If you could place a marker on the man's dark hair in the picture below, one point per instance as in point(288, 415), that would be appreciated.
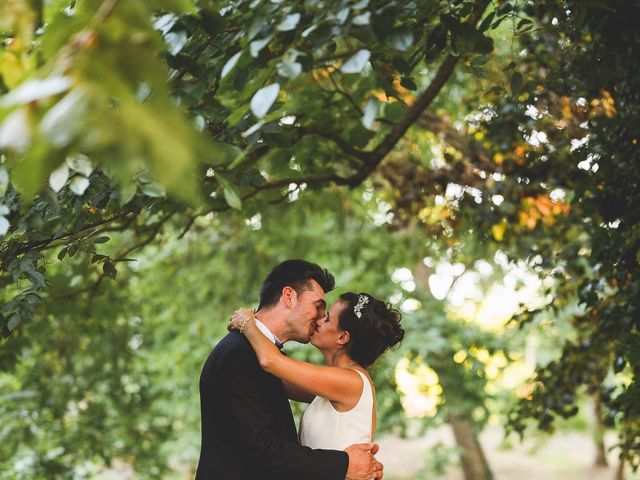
point(296, 274)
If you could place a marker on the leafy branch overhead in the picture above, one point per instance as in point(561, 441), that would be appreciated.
point(251, 111)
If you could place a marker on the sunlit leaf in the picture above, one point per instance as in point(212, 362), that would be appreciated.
point(79, 184)
point(230, 64)
point(36, 89)
point(402, 41)
point(362, 19)
point(289, 69)
point(59, 177)
point(356, 63)
point(81, 164)
point(263, 99)
point(4, 181)
point(370, 112)
point(4, 225)
point(256, 46)
point(16, 130)
point(289, 22)
point(61, 123)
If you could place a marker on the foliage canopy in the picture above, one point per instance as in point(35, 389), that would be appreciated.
point(504, 125)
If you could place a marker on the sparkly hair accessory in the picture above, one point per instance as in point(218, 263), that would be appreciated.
point(362, 301)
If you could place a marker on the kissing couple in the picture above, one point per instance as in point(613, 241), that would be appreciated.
point(248, 431)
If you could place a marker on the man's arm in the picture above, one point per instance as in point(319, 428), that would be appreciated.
point(297, 394)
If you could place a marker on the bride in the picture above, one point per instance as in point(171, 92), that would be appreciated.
point(357, 329)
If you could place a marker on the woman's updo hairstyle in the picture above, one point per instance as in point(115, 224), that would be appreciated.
point(372, 324)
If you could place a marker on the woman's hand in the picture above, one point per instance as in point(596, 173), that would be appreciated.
point(241, 318)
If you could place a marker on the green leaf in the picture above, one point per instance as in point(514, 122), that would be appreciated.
point(408, 83)
point(516, 82)
point(153, 190)
point(102, 239)
point(212, 22)
point(230, 193)
point(479, 61)
point(524, 25)
point(97, 257)
point(394, 111)
point(486, 23)
point(109, 269)
point(484, 45)
point(13, 321)
point(127, 192)
point(237, 115)
point(436, 42)
point(73, 249)
point(232, 198)
point(36, 278)
point(359, 136)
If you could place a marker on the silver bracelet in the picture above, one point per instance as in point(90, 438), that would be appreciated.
point(244, 324)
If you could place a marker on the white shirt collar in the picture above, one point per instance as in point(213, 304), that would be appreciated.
point(264, 329)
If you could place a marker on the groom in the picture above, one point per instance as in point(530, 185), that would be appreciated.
point(248, 430)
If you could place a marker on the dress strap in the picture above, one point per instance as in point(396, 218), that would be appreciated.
point(366, 383)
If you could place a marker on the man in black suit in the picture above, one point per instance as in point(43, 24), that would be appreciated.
point(248, 431)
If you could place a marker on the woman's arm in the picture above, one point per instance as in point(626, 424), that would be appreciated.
point(336, 384)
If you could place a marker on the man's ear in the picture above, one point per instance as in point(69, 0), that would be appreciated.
point(289, 297)
point(344, 337)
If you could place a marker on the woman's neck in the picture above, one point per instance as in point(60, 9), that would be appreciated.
point(338, 359)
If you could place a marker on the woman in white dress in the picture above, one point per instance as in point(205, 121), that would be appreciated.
point(357, 329)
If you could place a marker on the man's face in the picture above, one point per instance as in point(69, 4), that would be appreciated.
point(308, 309)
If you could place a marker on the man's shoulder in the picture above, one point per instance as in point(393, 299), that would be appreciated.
point(233, 344)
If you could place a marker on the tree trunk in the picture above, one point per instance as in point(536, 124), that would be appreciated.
point(474, 463)
point(598, 431)
point(620, 470)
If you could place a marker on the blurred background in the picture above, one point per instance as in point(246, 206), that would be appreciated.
point(473, 163)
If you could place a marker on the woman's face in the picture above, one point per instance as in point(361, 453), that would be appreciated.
point(327, 329)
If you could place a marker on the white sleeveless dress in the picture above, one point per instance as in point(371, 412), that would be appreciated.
point(322, 426)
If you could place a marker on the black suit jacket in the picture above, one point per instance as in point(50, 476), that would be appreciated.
point(248, 430)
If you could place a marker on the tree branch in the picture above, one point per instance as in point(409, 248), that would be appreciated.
point(340, 142)
point(397, 132)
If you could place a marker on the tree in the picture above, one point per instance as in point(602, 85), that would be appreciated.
point(267, 101)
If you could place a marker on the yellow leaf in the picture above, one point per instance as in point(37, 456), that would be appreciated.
point(498, 231)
